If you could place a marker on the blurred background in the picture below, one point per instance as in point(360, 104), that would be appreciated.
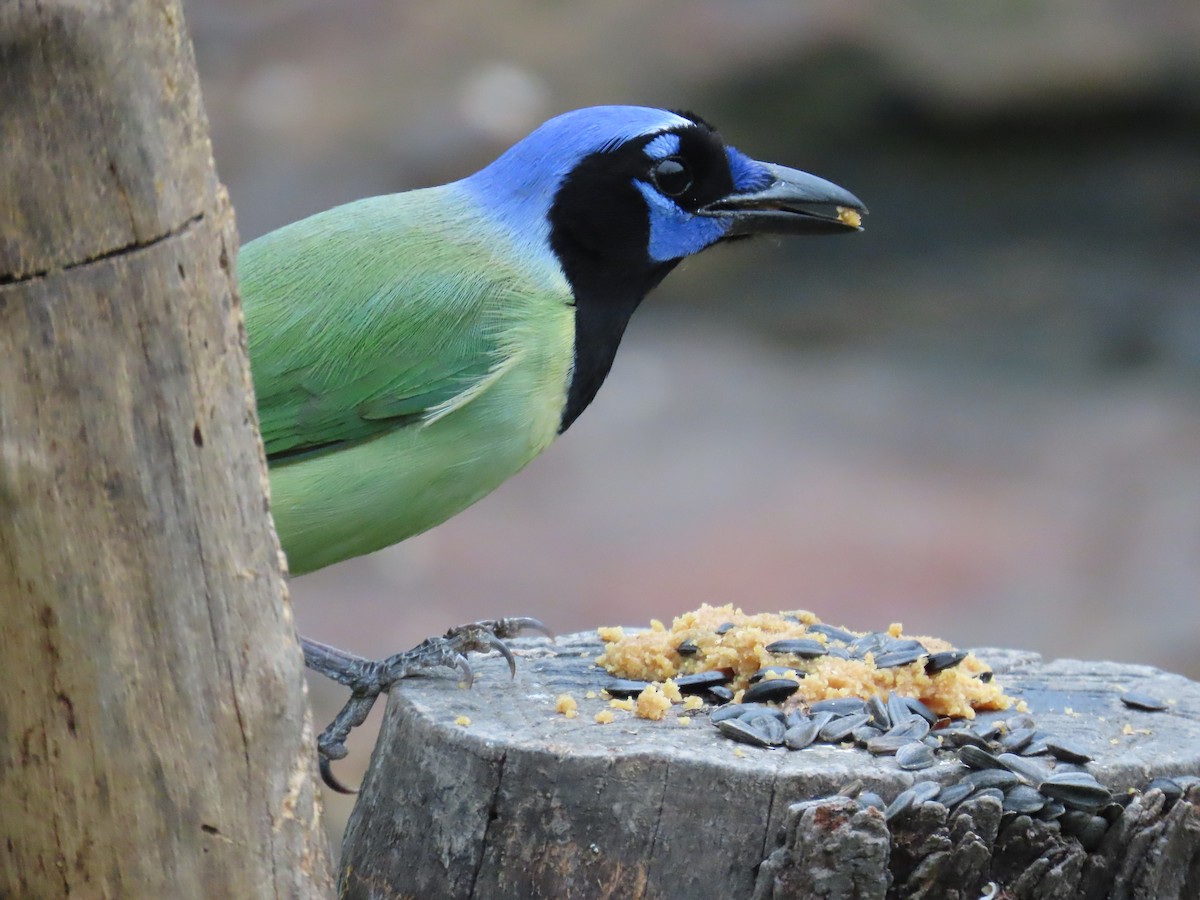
point(980, 417)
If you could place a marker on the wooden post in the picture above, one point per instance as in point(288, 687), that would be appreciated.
point(154, 735)
point(523, 802)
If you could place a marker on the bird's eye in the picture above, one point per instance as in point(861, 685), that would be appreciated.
point(672, 176)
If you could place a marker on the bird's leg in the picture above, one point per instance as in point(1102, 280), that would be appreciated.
point(368, 678)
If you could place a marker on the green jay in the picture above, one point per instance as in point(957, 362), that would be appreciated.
point(412, 351)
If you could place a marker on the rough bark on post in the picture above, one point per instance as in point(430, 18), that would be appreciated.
point(154, 736)
point(522, 802)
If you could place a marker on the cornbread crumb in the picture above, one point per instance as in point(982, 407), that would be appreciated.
point(726, 638)
point(848, 216)
point(626, 704)
point(652, 703)
point(684, 720)
point(671, 690)
point(611, 633)
point(590, 695)
point(657, 625)
point(693, 702)
point(463, 721)
point(604, 717)
point(565, 705)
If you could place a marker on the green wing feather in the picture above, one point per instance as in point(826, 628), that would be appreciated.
point(404, 367)
point(366, 318)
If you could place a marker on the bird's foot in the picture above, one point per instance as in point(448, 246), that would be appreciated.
point(368, 678)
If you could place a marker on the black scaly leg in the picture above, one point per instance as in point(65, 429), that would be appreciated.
point(368, 678)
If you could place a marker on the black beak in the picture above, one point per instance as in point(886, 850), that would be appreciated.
point(793, 203)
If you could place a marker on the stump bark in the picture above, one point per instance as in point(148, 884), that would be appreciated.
point(154, 734)
point(523, 802)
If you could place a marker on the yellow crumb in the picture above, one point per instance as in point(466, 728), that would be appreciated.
point(626, 704)
point(463, 721)
point(604, 717)
point(1022, 706)
point(652, 703)
point(684, 720)
point(849, 217)
point(895, 629)
point(590, 695)
point(693, 702)
point(657, 625)
point(737, 751)
point(613, 633)
point(671, 689)
point(565, 705)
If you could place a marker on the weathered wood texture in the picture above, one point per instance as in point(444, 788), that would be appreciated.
point(526, 803)
point(154, 736)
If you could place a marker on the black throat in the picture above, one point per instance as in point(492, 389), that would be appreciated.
point(599, 230)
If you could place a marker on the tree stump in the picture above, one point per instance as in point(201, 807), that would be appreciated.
point(523, 802)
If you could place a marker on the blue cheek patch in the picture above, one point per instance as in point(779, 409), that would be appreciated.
point(674, 233)
point(747, 174)
point(662, 146)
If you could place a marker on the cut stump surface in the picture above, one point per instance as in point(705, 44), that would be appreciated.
point(523, 802)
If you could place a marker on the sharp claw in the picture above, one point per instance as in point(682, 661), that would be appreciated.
point(464, 666)
point(505, 652)
point(330, 780)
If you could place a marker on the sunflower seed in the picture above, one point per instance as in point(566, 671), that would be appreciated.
point(1087, 828)
point(1030, 771)
point(878, 711)
point(1134, 700)
point(797, 737)
point(883, 745)
point(893, 658)
point(839, 706)
point(771, 690)
point(924, 791)
point(962, 737)
point(981, 779)
point(701, 681)
point(625, 687)
point(1052, 810)
point(913, 757)
point(725, 627)
point(903, 803)
point(1023, 799)
point(1017, 740)
point(914, 729)
point(1076, 790)
point(870, 798)
point(945, 659)
point(785, 671)
point(952, 794)
point(840, 729)
point(1066, 751)
point(865, 733)
point(1171, 789)
point(916, 707)
point(731, 711)
point(831, 632)
point(897, 708)
point(974, 758)
point(805, 648)
point(720, 693)
point(737, 730)
point(872, 642)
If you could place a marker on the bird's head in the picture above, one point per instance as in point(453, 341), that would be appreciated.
point(644, 188)
point(615, 196)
